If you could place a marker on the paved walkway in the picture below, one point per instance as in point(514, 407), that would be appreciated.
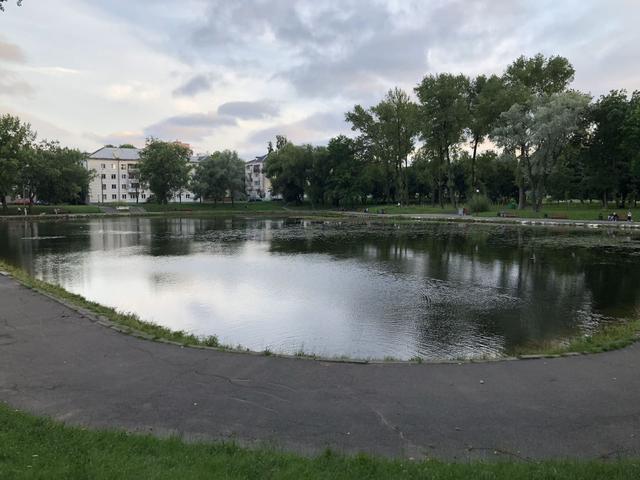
point(57, 363)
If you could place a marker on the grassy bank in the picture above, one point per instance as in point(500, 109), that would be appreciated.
point(611, 337)
point(38, 448)
point(50, 209)
point(237, 207)
point(126, 320)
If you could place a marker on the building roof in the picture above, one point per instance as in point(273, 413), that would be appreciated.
point(259, 159)
point(115, 153)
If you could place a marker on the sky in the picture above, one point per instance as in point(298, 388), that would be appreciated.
point(223, 74)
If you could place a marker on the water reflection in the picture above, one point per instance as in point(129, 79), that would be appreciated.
point(331, 288)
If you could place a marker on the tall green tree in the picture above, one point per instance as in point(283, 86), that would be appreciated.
point(388, 131)
point(16, 139)
point(444, 109)
point(164, 167)
point(287, 168)
point(528, 79)
point(54, 174)
point(219, 175)
point(540, 132)
point(608, 163)
point(488, 98)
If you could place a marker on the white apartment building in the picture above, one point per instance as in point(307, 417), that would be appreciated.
point(257, 185)
point(117, 178)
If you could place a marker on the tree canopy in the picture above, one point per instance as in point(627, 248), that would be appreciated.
point(164, 167)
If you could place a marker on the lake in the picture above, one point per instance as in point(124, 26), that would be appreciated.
point(352, 288)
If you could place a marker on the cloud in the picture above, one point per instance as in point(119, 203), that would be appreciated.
point(192, 127)
point(10, 52)
point(13, 85)
point(197, 84)
point(249, 110)
point(136, 91)
point(316, 128)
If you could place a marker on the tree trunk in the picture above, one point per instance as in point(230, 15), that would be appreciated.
point(476, 140)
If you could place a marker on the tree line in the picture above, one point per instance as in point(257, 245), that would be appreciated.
point(44, 170)
point(520, 137)
point(166, 169)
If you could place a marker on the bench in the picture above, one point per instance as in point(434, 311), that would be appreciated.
point(507, 214)
point(559, 216)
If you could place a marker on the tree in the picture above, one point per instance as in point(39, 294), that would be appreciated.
point(126, 145)
point(526, 80)
point(219, 175)
point(387, 133)
point(164, 167)
point(488, 98)
point(540, 132)
point(538, 75)
point(607, 163)
point(2, 2)
point(54, 174)
point(345, 182)
point(287, 168)
point(444, 101)
point(16, 139)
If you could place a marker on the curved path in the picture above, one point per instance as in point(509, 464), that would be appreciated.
point(56, 362)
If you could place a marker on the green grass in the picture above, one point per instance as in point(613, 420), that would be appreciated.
point(49, 209)
point(39, 448)
point(611, 337)
point(126, 320)
point(573, 211)
point(238, 207)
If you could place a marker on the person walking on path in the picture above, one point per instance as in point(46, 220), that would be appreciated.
point(629, 216)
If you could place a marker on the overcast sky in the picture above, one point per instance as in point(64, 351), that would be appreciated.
point(233, 74)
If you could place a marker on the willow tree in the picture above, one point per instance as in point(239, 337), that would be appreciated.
point(540, 132)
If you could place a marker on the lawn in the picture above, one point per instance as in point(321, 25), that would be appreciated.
point(50, 209)
point(39, 448)
point(237, 207)
point(573, 211)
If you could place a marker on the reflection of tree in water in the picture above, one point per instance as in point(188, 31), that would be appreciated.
point(485, 288)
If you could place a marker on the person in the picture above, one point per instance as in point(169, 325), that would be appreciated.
point(615, 216)
point(629, 216)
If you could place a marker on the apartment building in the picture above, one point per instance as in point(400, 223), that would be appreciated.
point(257, 185)
point(117, 178)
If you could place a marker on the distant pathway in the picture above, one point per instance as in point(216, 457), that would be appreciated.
point(54, 361)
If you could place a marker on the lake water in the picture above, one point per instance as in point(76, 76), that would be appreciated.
point(351, 288)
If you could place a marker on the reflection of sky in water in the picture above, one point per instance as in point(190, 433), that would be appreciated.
point(362, 291)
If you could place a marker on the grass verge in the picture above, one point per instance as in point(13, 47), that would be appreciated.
point(611, 337)
point(127, 320)
point(39, 448)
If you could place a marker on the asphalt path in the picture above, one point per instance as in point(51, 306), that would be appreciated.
point(58, 362)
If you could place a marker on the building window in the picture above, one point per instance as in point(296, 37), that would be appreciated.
point(124, 196)
point(113, 186)
point(103, 166)
point(103, 175)
point(124, 175)
point(144, 195)
point(256, 169)
point(257, 183)
point(123, 167)
point(132, 195)
point(104, 187)
point(188, 195)
point(113, 176)
point(114, 196)
point(113, 166)
point(124, 186)
point(104, 196)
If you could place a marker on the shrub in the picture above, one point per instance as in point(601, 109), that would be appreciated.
point(479, 203)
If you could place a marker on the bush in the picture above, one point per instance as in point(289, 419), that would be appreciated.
point(479, 203)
